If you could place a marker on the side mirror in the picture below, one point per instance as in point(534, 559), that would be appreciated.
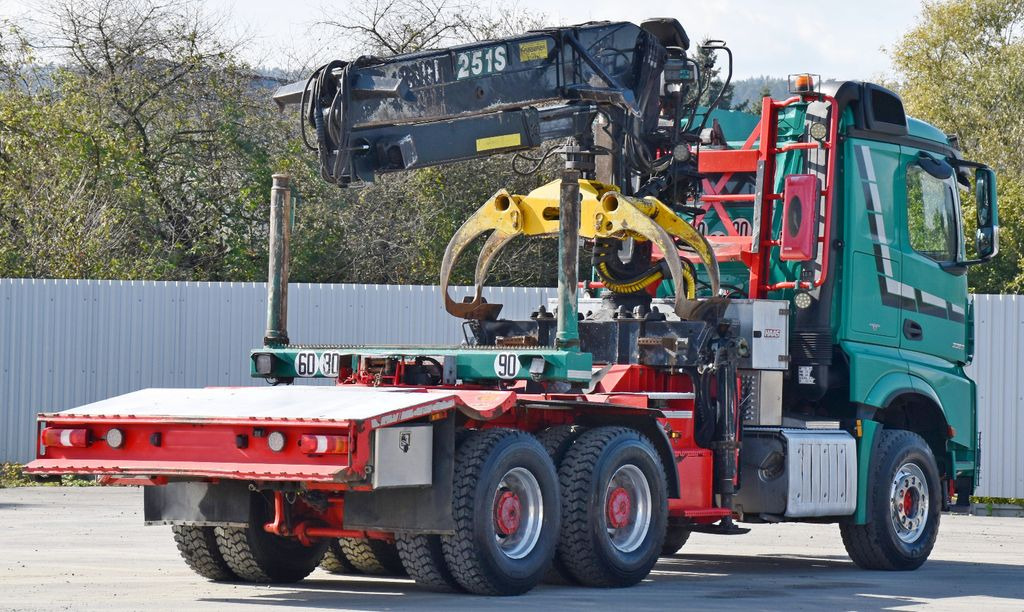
point(987, 238)
point(800, 217)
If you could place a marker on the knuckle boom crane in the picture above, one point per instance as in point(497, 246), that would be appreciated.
point(742, 361)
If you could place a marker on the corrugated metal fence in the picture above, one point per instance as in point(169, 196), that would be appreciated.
point(66, 343)
point(998, 369)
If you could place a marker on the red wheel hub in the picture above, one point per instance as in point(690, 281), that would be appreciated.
point(619, 507)
point(908, 503)
point(506, 513)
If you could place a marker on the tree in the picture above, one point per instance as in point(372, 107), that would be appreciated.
point(146, 151)
point(961, 67)
point(754, 104)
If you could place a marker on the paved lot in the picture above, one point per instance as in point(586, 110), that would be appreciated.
point(86, 548)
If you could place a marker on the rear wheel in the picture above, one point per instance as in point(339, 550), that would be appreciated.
point(423, 558)
point(372, 556)
point(615, 507)
point(335, 561)
point(675, 537)
point(556, 441)
point(198, 547)
point(255, 555)
point(506, 510)
point(903, 503)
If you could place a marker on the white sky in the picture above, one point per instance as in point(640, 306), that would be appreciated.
point(775, 37)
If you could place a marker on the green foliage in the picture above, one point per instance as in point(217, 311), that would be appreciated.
point(13, 475)
point(147, 152)
point(962, 68)
point(1014, 501)
point(747, 93)
point(753, 106)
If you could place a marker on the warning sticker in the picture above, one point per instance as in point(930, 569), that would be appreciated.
point(533, 50)
point(498, 142)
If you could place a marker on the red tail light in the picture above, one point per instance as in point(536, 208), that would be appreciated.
point(65, 437)
point(313, 444)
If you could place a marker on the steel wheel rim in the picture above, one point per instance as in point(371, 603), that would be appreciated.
point(909, 503)
point(630, 479)
point(521, 484)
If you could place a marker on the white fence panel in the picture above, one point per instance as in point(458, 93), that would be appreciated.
point(998, 369)
point(64, 343)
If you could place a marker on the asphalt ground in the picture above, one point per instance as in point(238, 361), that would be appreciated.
point(86, 548)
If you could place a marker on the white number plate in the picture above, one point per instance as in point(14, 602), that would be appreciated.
point(478, 62)
point(506, 365)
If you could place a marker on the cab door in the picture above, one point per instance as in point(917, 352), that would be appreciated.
point(933, 314)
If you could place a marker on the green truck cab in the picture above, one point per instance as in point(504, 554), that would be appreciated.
point(901, 315)
point(888, 334)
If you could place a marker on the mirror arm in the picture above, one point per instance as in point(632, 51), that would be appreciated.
point(954, 266)
point(957, 268)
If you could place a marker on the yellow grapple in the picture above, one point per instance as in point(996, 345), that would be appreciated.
point(604, 213)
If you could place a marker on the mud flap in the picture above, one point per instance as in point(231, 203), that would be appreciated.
point(420, 509)
point(225, 504)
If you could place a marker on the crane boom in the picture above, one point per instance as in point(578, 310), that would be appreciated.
point(375, 115)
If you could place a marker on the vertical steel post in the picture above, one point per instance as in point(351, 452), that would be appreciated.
point(277, 273)
point(568, 335)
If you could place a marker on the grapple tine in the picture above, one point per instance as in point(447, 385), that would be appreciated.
point(676, 226)
point(495, 243)
point(500, 213)
point(619, 215)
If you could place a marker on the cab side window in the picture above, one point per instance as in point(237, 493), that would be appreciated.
point(931, 215)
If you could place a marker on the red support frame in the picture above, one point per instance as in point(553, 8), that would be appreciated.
point(748, 160)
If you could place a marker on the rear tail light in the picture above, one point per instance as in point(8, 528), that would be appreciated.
point(115, 438)
point(313, 444)
point(275, 441)
point(51, 436)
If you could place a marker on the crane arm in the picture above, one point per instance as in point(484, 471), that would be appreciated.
point(433, 107)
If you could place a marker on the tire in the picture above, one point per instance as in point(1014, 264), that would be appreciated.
point(371, 556)
point(601, 459)
point(556, 441)
point(902, 474)
point(506, 509)
point(335, 561)
point(422, 556)
point(198, 547)
point(675, 537)
point(257, 556)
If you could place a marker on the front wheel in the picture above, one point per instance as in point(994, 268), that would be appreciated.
point(675, 537)
point(903, 503)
